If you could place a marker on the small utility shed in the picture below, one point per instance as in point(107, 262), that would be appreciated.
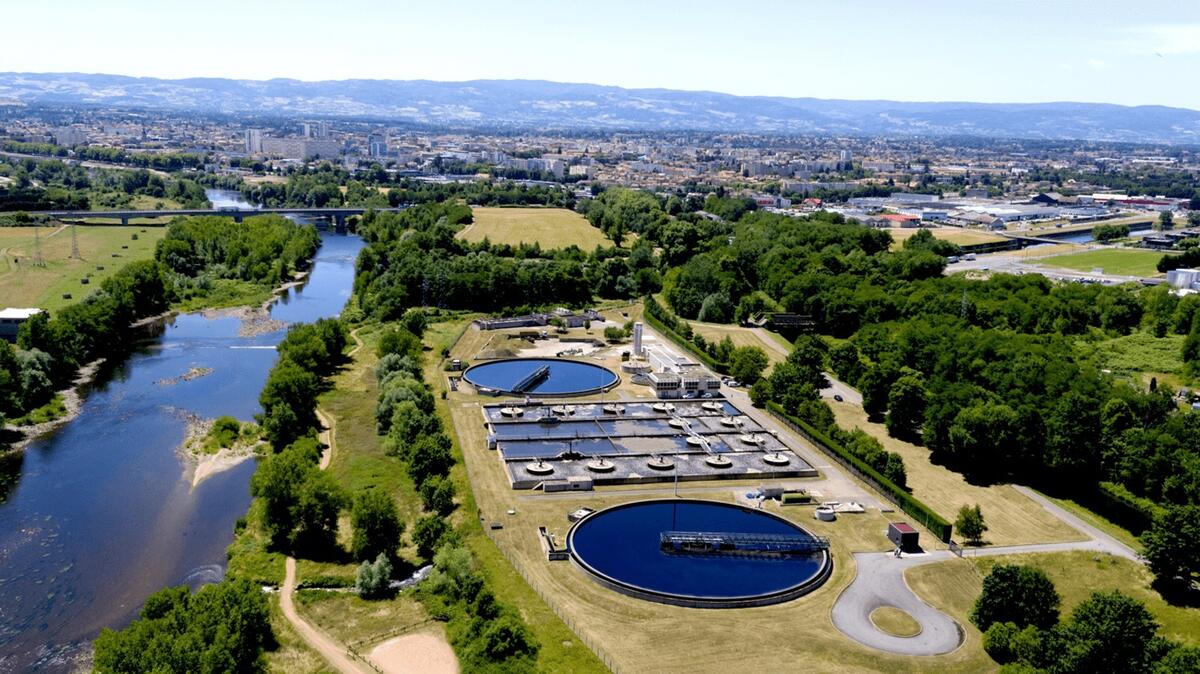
point(903, 536)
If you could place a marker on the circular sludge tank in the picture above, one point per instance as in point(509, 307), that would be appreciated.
point(541, 377)
point(701, 554)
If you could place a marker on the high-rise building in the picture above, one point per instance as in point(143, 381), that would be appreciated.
point(377, 145)
point(846, 157)
point(254, 141)
point(637, 338)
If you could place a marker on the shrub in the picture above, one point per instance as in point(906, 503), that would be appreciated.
point(374, 578)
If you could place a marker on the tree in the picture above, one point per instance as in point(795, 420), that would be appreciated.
point(1172, 545)
point(301, 502)
point(746, 364)
point(1166, 220)
point(220, 628)
point(1022, 595)
point(1110, 632)
point(321, 501)
point(429, 457)
point(427, 534)
point(288, 399)
point(970, 524)
point(374, 578)
point(906, 406)
point(377, 526)
point(507, 637)
point(437, 494)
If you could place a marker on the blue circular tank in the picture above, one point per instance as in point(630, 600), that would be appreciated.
point(541, 377)
point(743, 557)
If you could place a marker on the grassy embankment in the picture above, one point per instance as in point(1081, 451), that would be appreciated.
point(24, 285)
point(954, 585)
point(549, 227)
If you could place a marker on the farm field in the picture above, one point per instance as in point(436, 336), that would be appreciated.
point(24, 285)
point(1011, 517)
point(952, 234)
point(549, 227)
point(1118, 261)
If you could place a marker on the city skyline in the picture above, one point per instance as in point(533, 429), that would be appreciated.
point(1022, 52)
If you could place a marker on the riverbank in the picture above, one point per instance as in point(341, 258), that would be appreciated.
point(255, 320)
point(72, 399)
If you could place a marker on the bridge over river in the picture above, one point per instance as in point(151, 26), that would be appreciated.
point(336, 214)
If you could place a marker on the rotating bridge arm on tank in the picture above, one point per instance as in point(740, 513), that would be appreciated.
point(716, 542)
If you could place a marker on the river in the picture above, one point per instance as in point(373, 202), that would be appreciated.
point(101, 513)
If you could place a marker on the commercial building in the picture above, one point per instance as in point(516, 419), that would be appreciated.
point(1184, 279)
point(301, 148)
point(11, 320)
point(69, 136)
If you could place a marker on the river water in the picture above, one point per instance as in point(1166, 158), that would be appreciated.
point(101, 513)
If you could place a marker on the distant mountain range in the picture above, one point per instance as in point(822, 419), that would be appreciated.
point(559, 106)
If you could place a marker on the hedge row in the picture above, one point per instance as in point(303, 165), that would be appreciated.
point(656, 323)
point(1124, 507)
point(895, 493)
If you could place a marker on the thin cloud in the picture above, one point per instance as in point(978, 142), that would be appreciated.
point(1166, 40)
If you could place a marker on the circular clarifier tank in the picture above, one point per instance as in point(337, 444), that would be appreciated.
point(648, 549)
point(541, 377)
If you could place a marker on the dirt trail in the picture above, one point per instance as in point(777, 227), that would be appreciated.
point(326, 437)
point(333, 652)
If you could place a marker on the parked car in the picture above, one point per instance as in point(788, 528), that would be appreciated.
point(838, 397)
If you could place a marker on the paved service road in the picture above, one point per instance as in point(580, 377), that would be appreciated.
point(880, 582)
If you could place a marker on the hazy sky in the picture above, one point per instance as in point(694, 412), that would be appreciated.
point(1144, 52)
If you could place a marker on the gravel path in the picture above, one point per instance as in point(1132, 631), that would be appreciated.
point(880, 582)
point(333, 653)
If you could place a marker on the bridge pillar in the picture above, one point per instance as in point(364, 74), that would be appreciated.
point(125, 221)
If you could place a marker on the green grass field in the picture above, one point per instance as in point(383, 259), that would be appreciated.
point(1119, 261)
point(549, 227)
point(24, 285)
point(1138, 356)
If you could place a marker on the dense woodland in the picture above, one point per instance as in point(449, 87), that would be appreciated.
point(413, 259)
point(39, 185)
point(327, 185)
